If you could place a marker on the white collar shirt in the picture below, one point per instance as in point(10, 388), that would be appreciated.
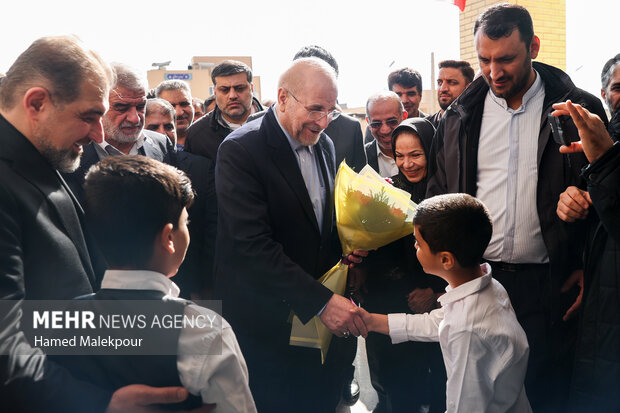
point(484, 348)
point(508, 176)
point(387, 164)
point(104, 149)
point(218, 378)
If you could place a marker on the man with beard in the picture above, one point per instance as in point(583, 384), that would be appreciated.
point(51, 105)
point(454, 77)
point(610, 84)
point(179, 95)
point(276, 237)
point(407, 84)
point(234, 102)
point(123, 126)
point(384, 112)
point(495, 142)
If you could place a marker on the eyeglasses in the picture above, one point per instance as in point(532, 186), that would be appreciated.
point(391, 123)
point(317, 115)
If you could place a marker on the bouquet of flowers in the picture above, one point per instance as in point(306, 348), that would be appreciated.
point(370, 213)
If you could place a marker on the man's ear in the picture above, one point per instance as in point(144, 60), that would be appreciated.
point(447, 260)
point(36, 100)
point(534, 47)
point(282, 98)
point(604, 95)
point(165, 239)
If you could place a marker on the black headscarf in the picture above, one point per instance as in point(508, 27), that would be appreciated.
point(424, 130)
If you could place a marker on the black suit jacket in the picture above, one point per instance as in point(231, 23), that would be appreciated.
point(44, 254)
point(371, 154)
point(269, 250)
point(156, 146)
point(346, 133)
point(196, 272)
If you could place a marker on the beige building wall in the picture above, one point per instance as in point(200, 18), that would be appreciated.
point(199, 77)
point(549, 17)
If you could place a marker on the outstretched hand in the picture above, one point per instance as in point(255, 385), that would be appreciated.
point(338, 317)
point(595, 140)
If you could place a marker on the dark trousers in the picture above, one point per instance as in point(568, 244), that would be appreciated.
point(552, 341)
point(285, 378)
point(406, 374)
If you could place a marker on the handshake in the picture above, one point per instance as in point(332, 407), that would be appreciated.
point(344, 319)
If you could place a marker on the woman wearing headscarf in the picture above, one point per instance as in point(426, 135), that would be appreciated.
point(411, 374)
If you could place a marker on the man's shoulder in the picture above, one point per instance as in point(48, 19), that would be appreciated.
point(372, 145)
point(202, 124)
point(155, 138)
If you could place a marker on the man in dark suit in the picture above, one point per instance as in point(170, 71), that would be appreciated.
point(51, 104)
point(345, 131)
point(384, 112)
point(276, 237)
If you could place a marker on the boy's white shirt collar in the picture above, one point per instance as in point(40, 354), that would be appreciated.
point(468, 288)
point(139, 280)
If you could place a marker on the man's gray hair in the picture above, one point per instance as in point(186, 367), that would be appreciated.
point(608, 70)
point(159, 105)
point(384, 95)
point(172, 85)
point(128, 78)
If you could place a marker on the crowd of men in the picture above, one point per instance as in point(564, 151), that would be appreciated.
point(263, 230)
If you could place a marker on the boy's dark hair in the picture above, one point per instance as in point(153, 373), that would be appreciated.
point(462, 65)
point(229, 68)
point(500, 20)
point(456, 223)
point(128, 200)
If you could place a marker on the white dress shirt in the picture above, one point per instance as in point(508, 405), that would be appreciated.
point(387, 164)
point(104, 149)
point(223, 378)
point(484, 348)
point(508, 176)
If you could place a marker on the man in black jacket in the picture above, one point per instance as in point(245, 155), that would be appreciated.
point(495, 142)
point(234, 98)
point(51, 104)
point(596, 375)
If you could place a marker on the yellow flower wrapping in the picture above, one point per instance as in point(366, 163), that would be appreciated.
point(370, 213)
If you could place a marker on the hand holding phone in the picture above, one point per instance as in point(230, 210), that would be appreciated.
point(564, 129)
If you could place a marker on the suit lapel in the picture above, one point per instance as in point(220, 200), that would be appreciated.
point(285, 161)
point(371, 154)
point(31, 165)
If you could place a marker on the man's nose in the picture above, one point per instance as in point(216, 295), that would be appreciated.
point(496, 71)
point(323, 122)
point(96, 132)
point(179, 111)
point(132, 115)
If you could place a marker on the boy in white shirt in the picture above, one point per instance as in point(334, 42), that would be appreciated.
point(485, 350)
point(136, 208)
